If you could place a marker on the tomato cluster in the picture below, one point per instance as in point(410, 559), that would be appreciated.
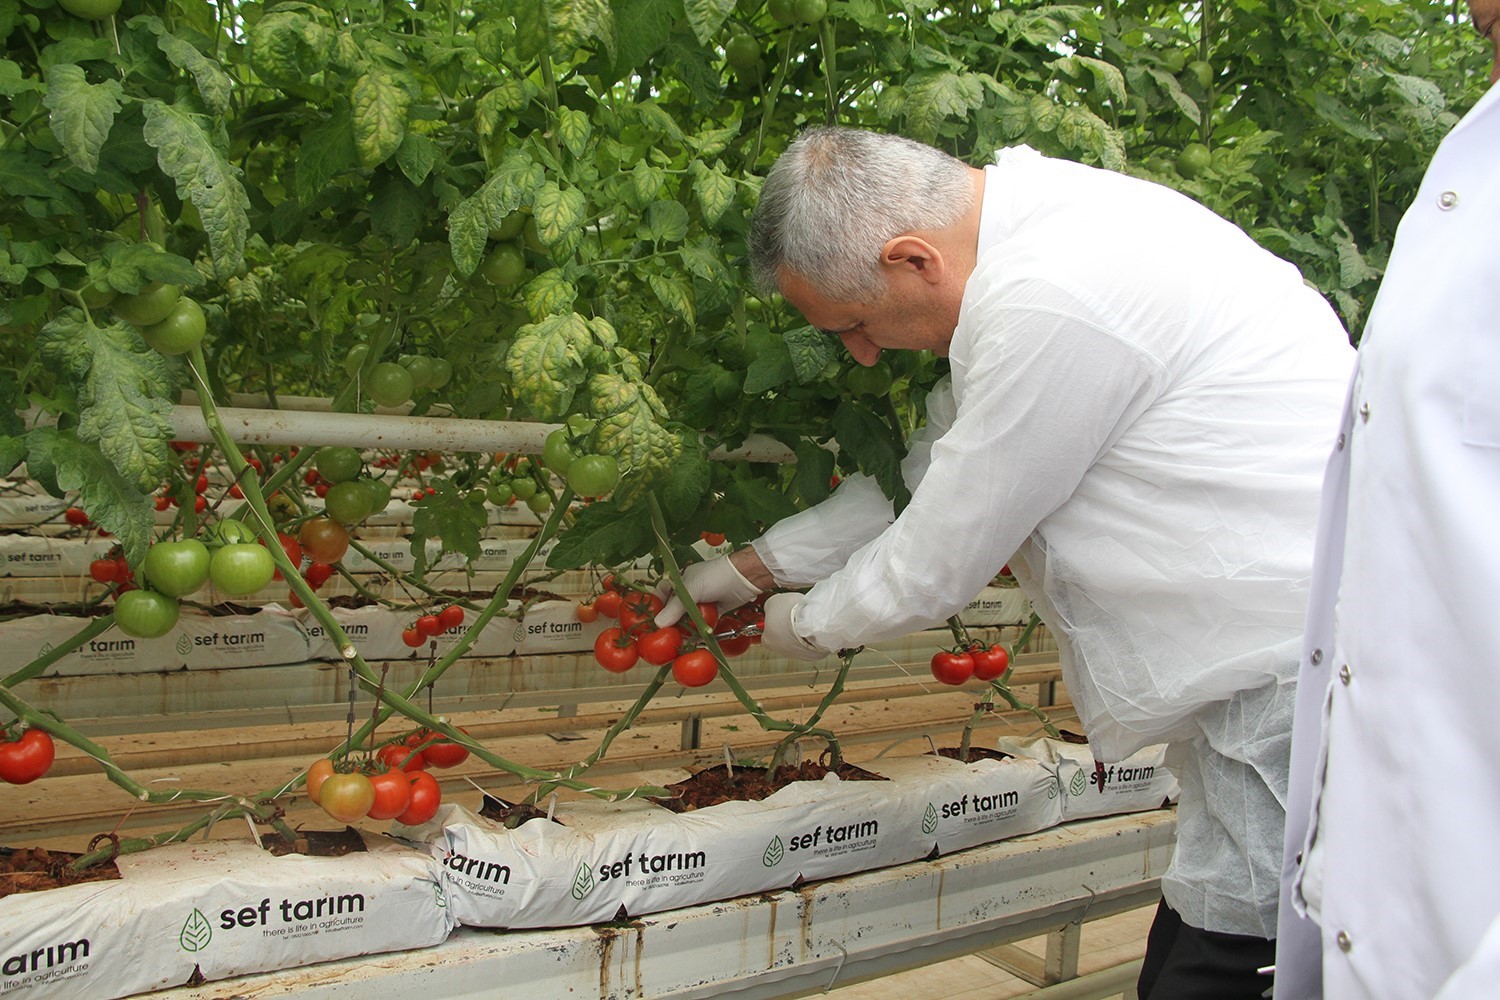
point(430, 625)
point(394, 784)
point(636, 637)
point(983, 661)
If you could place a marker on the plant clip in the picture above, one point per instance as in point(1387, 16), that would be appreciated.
point(114, 845)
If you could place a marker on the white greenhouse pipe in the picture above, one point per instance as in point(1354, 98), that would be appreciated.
point(311, 423)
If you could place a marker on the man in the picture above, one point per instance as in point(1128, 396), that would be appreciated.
point(1138, 408)
point(1392, 886)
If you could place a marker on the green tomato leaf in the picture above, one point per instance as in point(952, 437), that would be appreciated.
point(326, 151)
point(605, 534)
point(133, 266)
point(82, 113)
point(675, 294)
point(813, 472)
point(64, 464)
point(214, 85)
point(416, 156)
point(380, 105)
point(870, 443)
point(706, 17)
point(548, 294)
point(769, 369)
point(451, 517)
point(713, 188)
point(123, 393)
point(933, 97)
point(287, 48)
point(758, 501)
point(642, 27)
point(714, 141)
point(574, 129)
point(810, 351)
point(686, 484)
point(188, 156)
point(630, 428)
point(546, 363)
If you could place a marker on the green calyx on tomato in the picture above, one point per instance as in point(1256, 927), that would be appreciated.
point(176, 569)
point(145, 614)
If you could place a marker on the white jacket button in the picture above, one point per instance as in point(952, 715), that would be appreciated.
point(1447, 200)
point(1345, 673)
point(1343, 941)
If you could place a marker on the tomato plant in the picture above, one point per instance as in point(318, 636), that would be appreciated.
point(27, 757)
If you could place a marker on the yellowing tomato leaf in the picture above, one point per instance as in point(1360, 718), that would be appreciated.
point(549, 293)
point(380, 104)
point(546, 363)
point(187, 154)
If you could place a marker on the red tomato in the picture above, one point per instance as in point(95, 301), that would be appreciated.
point(76, 517)
point(392, 794)
point(952, 668)
point(586, 612)
point(710, 613)
point(317, 574)
point(451, 617)
point(26, 759)
point(291, 547)
point(440, 751)
point(989, 661)
point(426, 796)
point(429, 625)
point(660, 646)
point(713, 538)
point(201, 486)
point(200, 505)
point(236, 492)
point(608, 603)
point(413, 637)
point(293, 600)
point(399, 755)
point(103, 570)
point(638, 611)
point(614, 652)
point(735, 646)
point(162, 502)
point(695, 669)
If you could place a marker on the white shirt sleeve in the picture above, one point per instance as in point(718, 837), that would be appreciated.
point(807, 547)
point(1044, 395)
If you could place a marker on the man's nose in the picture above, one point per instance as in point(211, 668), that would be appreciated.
point(860, 348)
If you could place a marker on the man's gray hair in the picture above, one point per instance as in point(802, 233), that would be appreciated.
point(837, 195)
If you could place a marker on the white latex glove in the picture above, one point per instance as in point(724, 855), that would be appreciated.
point(780, 637)
point(714, 581)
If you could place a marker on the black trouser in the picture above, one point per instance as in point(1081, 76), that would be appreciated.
point(1185, 963)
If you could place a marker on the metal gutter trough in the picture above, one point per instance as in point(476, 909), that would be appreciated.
point(795, 942)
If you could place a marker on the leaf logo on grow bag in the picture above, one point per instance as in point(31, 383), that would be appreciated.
point(775, 851)
point(583, 882)
point(442, 898)
point(46, 648)
point(1079, 784)
point(1054, 788)
point(930, 819)
point(196, 932)
point(184, 645)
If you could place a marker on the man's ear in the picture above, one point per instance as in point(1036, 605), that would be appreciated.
point(913, 255)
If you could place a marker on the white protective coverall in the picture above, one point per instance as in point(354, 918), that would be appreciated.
point(1140, 405)
point(1396, 732)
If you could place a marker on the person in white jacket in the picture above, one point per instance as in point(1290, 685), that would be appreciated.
point(1392, 887)
point(1139, 406)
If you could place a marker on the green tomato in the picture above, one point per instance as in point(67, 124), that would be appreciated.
point(1193, 160)
point(241, 569)
point(580, 425)
point(390, 384)
point(510, 227)
point(355, 359)
point(380, 493)
point(810, 11)
point(594, 475)
point(338, 463)
point(538, 502)
point(505, 265)
point(180, 332)
point(442, 371)
point(524, 489)
point(152, 304)
point(97, 294)
point(90, 10)
point(557, 454)
point(176, 569)
point(499, 494)
point(421, 368)
point(783, 11)
point(742, 52)
point(1202, 72)
point(145, 614)
point(348, 502)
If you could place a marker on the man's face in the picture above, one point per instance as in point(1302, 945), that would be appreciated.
point(910, 315)
point(1485, 15)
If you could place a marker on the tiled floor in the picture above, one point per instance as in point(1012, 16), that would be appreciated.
point(1105, 943)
